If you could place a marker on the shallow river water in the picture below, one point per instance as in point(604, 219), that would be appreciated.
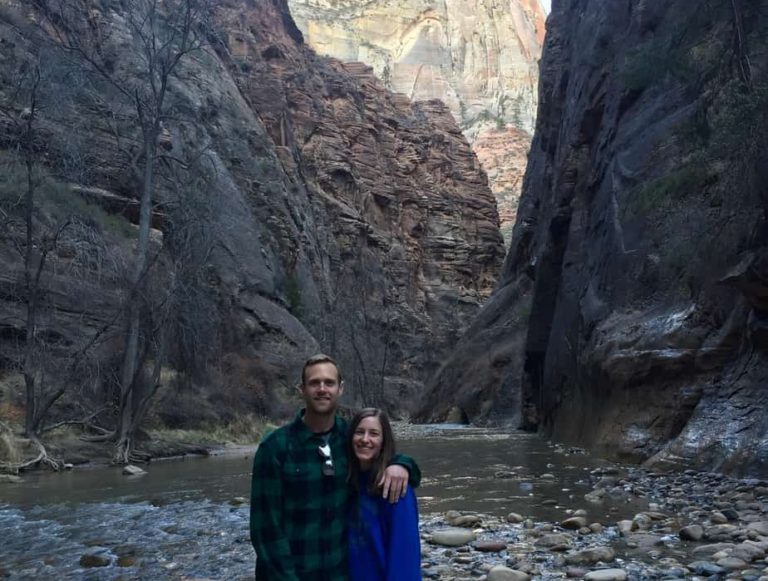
point(187, 519)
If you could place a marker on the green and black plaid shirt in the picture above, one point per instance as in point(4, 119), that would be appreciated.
point(298, 515)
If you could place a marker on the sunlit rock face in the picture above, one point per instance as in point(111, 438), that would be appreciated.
point(480, 57)
point(631, 313)
point(347, 219)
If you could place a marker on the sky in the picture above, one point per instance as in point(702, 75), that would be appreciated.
point(547, 4)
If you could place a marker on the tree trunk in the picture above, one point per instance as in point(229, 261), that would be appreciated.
point(126, 419)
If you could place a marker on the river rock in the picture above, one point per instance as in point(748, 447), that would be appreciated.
point(90, 561)
point(626, 526)
point(574, 523)
point(692, 533)
point(466, 520)
point(595, 495)
point(606, 575)
point(514, 518)
point(711, 549)
point(749, 551)
point(9, 478)
point(502, 573)
point(596, 528)
point(732, 563)
point(720, 532)
point(574, 572)
point(554, 542)
point(718, 517)
point(547, 476)
point(591, 556)
point(131, 470)
point(452, 537)
point(705, 568)
point(490, 546)
point(760, 527)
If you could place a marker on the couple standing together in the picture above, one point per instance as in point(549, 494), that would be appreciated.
point(331, 501)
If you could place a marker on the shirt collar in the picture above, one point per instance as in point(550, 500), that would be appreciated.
point(304, 433)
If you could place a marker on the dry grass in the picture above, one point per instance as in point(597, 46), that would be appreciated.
point(244, 430)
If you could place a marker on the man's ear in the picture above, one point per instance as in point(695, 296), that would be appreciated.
point(300, 389)
point(341, 388)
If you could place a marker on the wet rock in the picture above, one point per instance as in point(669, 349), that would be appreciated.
point(503, 474)
point(238, 501)
point(547, 476)
point(502, 573)
point(596, 528)
point(606, 575)
point(626, 526)
point(730, 514)
point(574, 523)
point(467, 521)
point(591, 556)
point(89, 561)
point(127, 561)
point(575, 572)
point(705, 568)
point(490, 546)
point(452, 537)
point(131, 470)
point(9, 478)
point(692, 533)
point(595, 496)
point(554, 542)
point(514, 518)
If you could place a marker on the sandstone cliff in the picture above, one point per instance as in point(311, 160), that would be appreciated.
point(337, 216)
point(477, 56)
point(631, 311)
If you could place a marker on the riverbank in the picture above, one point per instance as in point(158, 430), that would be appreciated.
point(72, 449)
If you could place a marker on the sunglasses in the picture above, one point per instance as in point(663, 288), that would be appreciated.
point(325, 452)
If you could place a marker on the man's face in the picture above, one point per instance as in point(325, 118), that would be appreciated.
point(321, 389)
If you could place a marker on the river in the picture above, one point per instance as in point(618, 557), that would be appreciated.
point(186, 519)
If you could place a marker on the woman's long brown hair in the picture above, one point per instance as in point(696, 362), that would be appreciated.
point(380, 463)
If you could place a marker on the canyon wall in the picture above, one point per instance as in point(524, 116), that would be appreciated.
point(336, 215)
point(631, 312)
point(480, 57)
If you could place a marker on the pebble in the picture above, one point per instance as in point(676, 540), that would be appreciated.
point(490, 546)
point(131, 470)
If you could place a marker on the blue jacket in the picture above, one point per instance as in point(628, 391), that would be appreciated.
point(384, 538)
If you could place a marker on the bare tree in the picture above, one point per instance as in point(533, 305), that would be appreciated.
point(162, 34)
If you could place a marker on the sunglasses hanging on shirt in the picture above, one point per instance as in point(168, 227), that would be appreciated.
point(325, 452)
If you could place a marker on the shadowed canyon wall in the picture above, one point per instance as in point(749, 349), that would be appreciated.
point(479, 57)
point(631, 311)
point(338, 216)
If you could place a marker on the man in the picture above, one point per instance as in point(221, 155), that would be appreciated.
point(299, 489)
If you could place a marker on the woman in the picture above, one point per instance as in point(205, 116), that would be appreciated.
point(383, 537)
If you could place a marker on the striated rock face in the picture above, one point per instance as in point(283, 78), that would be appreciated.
point(479, 57)
point(503, 153)
point(631, 311)
point(347, 219)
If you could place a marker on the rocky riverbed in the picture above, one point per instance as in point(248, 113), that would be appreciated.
point(696, 525)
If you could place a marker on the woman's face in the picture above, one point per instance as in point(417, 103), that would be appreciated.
point(367, 440)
